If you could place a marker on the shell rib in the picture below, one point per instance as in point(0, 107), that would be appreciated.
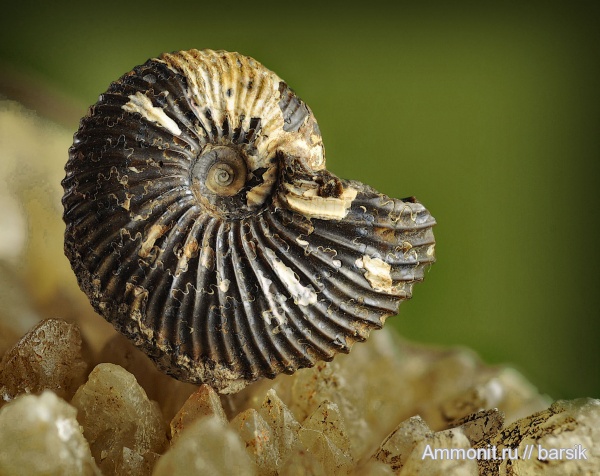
point(202, 224)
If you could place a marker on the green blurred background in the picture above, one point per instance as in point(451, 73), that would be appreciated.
point(488, 113)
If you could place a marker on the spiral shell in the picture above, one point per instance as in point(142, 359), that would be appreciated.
point(202, 223)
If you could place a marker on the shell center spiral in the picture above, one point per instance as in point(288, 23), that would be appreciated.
point(222, 176)
point(219, 176)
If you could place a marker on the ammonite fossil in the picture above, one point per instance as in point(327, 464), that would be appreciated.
point(202, 223)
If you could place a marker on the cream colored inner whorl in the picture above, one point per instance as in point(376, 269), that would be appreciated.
point(235, 91)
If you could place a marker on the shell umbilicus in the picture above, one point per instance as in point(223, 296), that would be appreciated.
point(202, 223)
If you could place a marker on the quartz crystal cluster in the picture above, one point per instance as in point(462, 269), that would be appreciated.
point(384, 409)
point(79, 399)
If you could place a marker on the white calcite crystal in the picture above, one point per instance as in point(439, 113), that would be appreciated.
point(374, 468)
point(123, 427)
point(323, 437)
point(389, 407)
point(480, 425)
point(396, 448)
point(47, 358)
point(284, 427)
point(168, 392)
point(40, 435)
point(418, 462)
point(385, 381)
point(558, 441)
point(203, 402)
point(208, 446)
point(258, 437)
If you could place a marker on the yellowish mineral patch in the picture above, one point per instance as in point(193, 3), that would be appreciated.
point(155, 232)
point(308, 203)
point(302, 295)
point(377, 272)
point(142, 104)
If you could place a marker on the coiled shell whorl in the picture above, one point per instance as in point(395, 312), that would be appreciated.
point(202, 223)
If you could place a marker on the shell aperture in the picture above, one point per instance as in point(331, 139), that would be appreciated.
point(202, 223)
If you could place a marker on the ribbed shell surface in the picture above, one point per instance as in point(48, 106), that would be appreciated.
point(202, 224)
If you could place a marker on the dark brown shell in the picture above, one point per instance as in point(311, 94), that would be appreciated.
point(202, 224)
